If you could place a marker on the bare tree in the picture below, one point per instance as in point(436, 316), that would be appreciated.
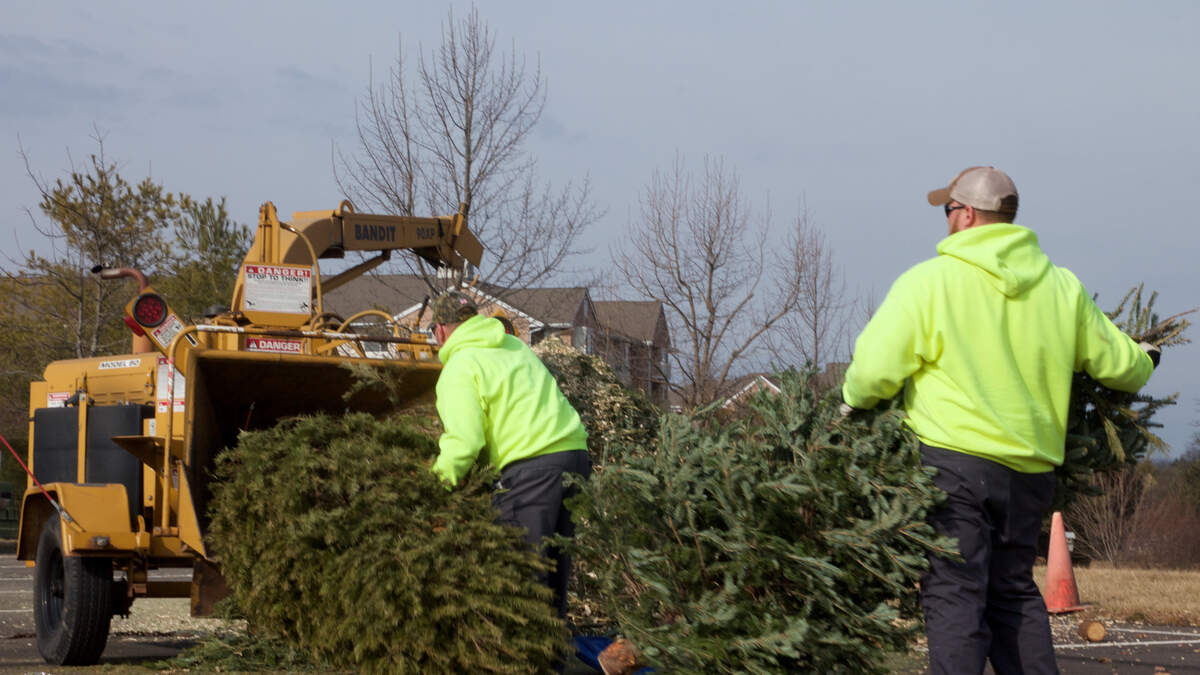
point(1107, 523)
point(453, 131)
point(1161, 516)
point(815, 333)
point(700, 248)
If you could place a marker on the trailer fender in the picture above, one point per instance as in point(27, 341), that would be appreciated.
point(95, 510)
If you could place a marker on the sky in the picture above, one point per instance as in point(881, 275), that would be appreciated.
point(852, 111)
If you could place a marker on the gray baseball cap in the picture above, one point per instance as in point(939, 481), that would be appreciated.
point(982, 187)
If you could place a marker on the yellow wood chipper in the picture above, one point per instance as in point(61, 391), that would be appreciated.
point(121, 448)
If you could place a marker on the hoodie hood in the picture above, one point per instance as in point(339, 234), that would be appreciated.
point(478, 331)
point(1008, 254)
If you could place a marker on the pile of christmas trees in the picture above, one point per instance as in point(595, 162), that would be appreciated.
point(614, 416)
point(788, 539)
point(334, 535)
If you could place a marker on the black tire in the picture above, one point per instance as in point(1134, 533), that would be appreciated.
point(72, 605)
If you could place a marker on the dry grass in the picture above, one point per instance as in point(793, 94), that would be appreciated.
point(1152, 596)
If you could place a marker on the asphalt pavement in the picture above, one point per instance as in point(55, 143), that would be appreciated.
point(159, 629)
point(1130, 649)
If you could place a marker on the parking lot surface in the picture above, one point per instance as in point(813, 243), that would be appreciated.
point(160, 628)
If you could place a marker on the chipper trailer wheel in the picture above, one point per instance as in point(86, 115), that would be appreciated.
point(71, 602)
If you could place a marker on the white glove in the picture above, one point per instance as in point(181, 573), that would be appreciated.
point(844, 411)
point(1154, 352)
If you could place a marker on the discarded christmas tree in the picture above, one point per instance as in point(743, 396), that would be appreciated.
point(618, 421)
point(613, 415)
point(334, 535)
point(1108, 430)
point(785, 541)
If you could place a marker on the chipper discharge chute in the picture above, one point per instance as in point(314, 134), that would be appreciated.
point(121, 447)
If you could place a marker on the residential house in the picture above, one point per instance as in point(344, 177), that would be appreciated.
point(631, 337)
point(743, 387)
point(535, 314)
point(635, 342)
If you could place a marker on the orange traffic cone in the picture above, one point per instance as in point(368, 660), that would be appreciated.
point(1060, 592)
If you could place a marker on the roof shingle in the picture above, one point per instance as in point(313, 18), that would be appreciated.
point(631, 318)
point(392, 293)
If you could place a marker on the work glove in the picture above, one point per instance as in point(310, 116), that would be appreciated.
point(844, 411)
point(1154, 352)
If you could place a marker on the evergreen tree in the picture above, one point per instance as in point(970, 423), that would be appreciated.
point(1110, 430)
point(612, 414)
point(785, 541)
point(334, 535)
point(209, 249)
point(55, 308)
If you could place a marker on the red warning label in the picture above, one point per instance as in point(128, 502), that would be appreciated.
point(276, 345)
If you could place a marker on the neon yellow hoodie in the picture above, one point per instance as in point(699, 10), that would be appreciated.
point(495, 393)
point(985, 339)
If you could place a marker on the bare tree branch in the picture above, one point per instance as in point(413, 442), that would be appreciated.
point(701, 249)
point(1106, 523)
point(453, 130)
point(816, 332)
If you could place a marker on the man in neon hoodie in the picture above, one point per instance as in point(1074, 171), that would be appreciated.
point(494, 395)
point(984, 340)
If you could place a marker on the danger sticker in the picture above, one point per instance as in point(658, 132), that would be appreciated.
point(169, 388)
point(258, 344)
point(57, 399)
point(168, 330)
point(123, 363)
point(278, 288)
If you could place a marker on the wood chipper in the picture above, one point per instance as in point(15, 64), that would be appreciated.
point(121, 447)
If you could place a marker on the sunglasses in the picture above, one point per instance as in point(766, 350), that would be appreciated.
point(949, 209)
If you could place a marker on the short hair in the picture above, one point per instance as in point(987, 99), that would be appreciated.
point(1007, 212)
point(452, 307)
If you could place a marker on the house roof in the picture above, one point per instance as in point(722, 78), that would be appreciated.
point(820, 383)
point(746, 384)
point(392, 293)
point(631, 318)
point(482, 298)
point(554, 306)
point(399, 294)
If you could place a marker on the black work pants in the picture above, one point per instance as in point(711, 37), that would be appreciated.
point(530, 496)
point(988, 606)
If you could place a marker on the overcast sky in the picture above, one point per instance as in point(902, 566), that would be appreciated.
point(854, 109)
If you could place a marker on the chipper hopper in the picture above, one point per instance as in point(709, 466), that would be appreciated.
point(121, 447)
